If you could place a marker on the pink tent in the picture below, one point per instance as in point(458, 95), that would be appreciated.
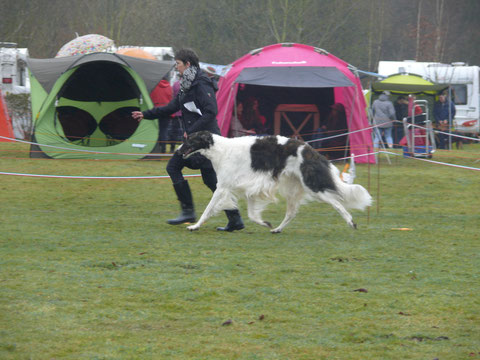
point(294, 78)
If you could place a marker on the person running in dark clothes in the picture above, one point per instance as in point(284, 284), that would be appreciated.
point(198, 104)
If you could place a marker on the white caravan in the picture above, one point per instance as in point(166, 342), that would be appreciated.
point(463, 79)
point(13, 69)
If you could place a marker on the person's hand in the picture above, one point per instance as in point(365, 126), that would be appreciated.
point(185, 135)
point(137, 115)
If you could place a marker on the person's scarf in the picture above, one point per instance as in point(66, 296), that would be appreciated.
point(187, 78)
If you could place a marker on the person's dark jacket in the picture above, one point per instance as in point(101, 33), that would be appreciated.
point(198, 106)
point(401, 110)
point(442, 111)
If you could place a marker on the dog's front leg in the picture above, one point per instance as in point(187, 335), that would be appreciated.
point(209, 210)
point(293, 203)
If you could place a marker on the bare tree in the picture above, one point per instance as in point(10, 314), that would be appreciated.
point(439, 10)
point(361, 32)
point(419, 17)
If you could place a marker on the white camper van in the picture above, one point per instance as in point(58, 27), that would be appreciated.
point(463, 79)
point(13, 69)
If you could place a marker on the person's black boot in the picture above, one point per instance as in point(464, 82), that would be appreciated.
point(235, 221)
point(184, 195)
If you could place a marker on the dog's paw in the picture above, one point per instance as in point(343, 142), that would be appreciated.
point(267, 224)
point(276, 231)
point(354, 226)
point(193, 227)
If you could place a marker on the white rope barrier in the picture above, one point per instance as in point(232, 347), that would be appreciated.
point(197, 175)
point(343, 134)
point(432, 161)
point(412, 158)
point(442, 132)
point(94, 177)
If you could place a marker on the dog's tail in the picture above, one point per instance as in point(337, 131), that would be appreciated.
point(353, 196)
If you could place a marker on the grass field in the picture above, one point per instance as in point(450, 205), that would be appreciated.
point(90, 270)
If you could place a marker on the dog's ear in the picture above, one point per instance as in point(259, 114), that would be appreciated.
point(201, 140)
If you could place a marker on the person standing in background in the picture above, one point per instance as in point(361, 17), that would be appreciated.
point(383, 116)
point(443, 113)
point(161, 96)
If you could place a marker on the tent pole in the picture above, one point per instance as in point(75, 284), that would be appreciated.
point(368, 186)
point(382, 144)
point(450, 120)
point(349, 121)
point(378, 186)
point(226, 108)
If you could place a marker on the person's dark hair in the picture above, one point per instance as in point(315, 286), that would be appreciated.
point(187, 55)
point(401, 97)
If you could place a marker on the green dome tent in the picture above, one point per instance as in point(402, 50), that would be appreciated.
point(81, 106)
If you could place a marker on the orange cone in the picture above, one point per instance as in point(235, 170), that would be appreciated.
point(6, 130)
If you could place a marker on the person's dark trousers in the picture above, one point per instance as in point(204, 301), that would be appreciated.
point(184, 195)
point(398, 134)
point(174, 168)
point(442, 141)
point(182, 189)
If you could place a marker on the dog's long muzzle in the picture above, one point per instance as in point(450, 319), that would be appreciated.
point(185, 152)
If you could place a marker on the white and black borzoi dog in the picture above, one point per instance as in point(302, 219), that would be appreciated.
point(259, 167)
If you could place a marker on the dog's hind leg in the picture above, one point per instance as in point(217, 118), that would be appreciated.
point(255, 209)
point(329, 199)
point(211, 209)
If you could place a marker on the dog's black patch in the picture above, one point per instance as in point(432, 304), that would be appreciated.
point(315, 170)
point(196, 141)
point(268, 155)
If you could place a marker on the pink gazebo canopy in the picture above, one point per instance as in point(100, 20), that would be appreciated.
point(298, 65)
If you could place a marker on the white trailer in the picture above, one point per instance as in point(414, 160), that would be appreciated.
point(13, 69)
point(464, 81)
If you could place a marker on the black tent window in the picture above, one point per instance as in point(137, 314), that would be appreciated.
point(100, 81)
point(77, 124)
point(119, 124)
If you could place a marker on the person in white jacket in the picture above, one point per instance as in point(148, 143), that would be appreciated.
point(383, 113)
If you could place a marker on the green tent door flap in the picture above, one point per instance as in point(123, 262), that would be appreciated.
point(82, 107)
